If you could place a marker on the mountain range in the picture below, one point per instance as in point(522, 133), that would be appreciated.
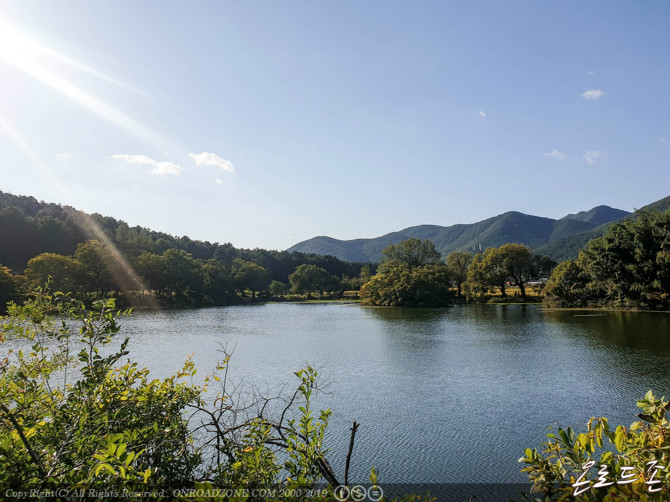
point(559, 239)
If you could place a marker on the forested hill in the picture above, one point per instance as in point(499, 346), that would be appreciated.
point(560, 239)
point(29, 227)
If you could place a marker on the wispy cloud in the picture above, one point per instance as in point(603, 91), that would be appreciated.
point(482, 114)
point(64, 156)
point(218, 181)
point(590, 72)
point(662, 140)
point(211, 159)
point(592, 94)
point(158, 168)
point(556, 155)
point(593, 155)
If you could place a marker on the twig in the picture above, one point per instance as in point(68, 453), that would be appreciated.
point(23, 437)
point(354, 428)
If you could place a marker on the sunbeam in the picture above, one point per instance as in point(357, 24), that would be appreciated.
point(122, 271)
point(9, 35)
point(15, 49)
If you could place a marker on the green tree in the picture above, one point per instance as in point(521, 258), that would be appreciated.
point(457, 265)
point(152, 268)
point(249, 275)
point(308, 278)
point(412, 253)
point(519, 263)
point(627, 267)
point(278, 289)
point(493, 270)
point(394, 285)
point(8, 288)
point(218, 284)
point(183, 274)
point(66, 273)
point(96, 260)
point(568, 286)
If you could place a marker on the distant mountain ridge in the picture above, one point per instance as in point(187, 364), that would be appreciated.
point(560, 239)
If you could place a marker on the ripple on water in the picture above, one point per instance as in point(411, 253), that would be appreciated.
point(444, 395)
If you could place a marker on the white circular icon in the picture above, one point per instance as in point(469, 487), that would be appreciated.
point(341, 493)
point(375, 493)
point(358, 493)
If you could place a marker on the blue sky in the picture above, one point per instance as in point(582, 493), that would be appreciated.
point(267, 123)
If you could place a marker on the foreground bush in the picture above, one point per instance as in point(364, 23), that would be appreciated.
point(74, 417)
point(605, 464)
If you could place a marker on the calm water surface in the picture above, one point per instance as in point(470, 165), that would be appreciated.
point(443, 396)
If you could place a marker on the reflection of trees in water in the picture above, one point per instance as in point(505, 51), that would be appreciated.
point(408, 315)
point(640, 330)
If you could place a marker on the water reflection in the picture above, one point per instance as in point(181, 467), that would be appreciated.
point(439, 392)
point(641, 330)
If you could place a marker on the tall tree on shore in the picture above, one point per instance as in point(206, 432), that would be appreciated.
point(519, 263)
point(627, 267)
point(412, 253)
point(308, 278)
point(66, 273)
point(457, 265)
point(96, 260)
point(250, 275)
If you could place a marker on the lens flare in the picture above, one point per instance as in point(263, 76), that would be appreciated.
point(22, 53)
point(122, 272)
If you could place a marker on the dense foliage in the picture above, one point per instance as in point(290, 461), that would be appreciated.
point(75, 415)
point(92, 253)
point(410, 275)
point(605, 463)
point(457, 265)
point(309, 278)
point(510, 264)
point(628, 267)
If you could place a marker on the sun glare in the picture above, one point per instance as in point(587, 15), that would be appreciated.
point(25, 54)
point(124, 272)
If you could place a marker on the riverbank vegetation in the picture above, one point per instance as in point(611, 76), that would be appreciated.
point(412, 273)
point(605, 462)
point(97, 257)
point(76, 416)
point(628, 267)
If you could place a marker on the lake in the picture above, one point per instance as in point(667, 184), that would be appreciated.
point(442, 395)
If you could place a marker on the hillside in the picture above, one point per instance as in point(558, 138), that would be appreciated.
point(29, 227)
point(560, 239)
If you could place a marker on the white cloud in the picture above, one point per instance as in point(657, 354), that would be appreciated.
point(63, 156)
point(662, 140)
point(482, 113)
point(159, 168)
point(218, 181)
point(592, 94)
point(211, 159)
point(591, 156)
point(591, 72)
point(556, 155)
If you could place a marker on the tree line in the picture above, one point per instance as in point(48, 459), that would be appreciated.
point(173, 277)
point(77, 425)
point(628, 267)
point(412, 273)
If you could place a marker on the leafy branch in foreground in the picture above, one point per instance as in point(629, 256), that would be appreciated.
point(74, 415)
point(603, 464)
